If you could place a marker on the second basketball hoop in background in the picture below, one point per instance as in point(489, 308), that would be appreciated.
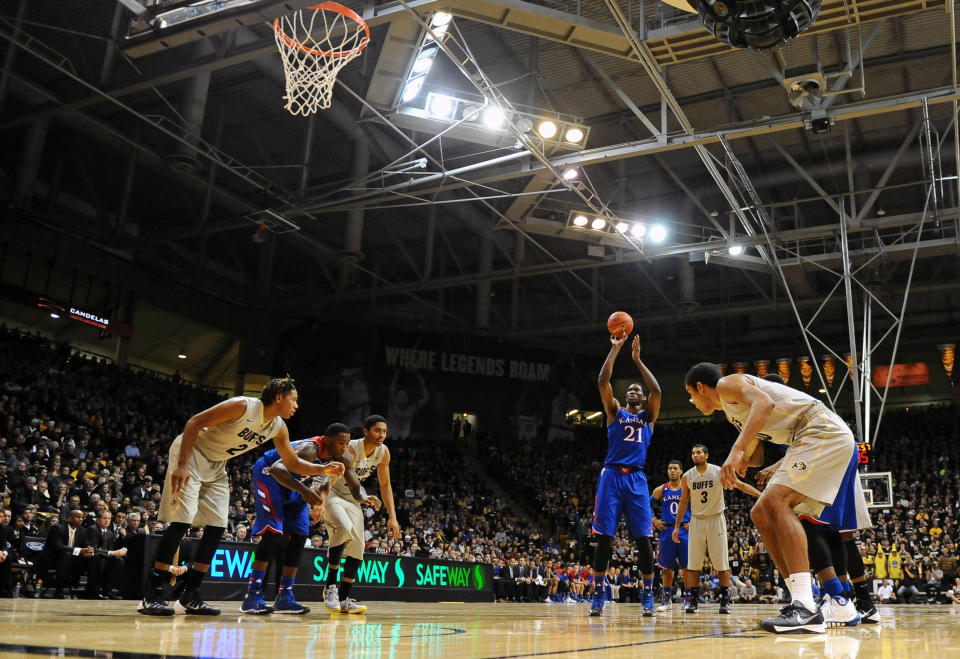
point(316, 43)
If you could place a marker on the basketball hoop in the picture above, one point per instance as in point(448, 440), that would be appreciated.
point(311, 62)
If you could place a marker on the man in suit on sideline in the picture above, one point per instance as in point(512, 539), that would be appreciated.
point(106, 566)
point(67, 552)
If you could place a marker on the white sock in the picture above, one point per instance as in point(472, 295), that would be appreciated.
point(801, 590)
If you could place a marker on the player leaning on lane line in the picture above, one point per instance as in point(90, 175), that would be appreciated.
point(813, 473)
point(282, 511)
point(196, 490)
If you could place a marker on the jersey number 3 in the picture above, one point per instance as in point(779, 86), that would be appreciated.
point(703, 497)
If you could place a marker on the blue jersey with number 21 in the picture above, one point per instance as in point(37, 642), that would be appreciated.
point(628, 438)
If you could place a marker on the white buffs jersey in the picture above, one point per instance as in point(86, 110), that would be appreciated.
point(363, 464)
point(231, 438)
point(789, 408)
point(706, 492)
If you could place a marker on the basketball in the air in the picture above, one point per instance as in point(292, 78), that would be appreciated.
point(620, 324)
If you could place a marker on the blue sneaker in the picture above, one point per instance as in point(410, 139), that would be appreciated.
point(598, 601)
point(647, 609)
point(253, 604)
point(285, 603)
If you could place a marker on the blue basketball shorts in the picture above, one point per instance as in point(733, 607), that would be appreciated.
point(279, 510)
point(627, 493)
point(672, 555)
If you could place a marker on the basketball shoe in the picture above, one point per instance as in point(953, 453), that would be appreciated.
point(868, 613)
point(253, 604)
point(839, 612)
point(795, 619)
point(646, 608)
point(193, 605)
point(596, 608)
point(286, 603)
point(153, 604)
point(331, 598)
point(349, 605)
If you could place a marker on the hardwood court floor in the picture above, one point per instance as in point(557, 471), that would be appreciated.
point(397, 630)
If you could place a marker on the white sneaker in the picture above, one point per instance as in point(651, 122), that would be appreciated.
point(331, 598)
point(839, 612)
point(352, 606)
point(663, 608)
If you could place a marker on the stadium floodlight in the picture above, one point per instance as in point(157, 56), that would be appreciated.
point(570, 174)
point(412, 89)
point(424, 62)
point(439, 24)
point(493, 117)
point(598, 223)
point(735, 250)
point(638, 230)
point(441, 106)
point(580, 221)
point(573, 135)
point(658, 233)
point(547, 129)
point(622, 227)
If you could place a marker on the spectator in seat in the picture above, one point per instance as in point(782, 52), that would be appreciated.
point(748, 594)
point(885, 592)
point(106, 565)
point(67, 553)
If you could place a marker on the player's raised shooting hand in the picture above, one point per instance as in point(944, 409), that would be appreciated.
point(635, 348)
point(617, 341)
point(373, 502)
point(333, 470)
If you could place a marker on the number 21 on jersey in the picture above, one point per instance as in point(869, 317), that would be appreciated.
point(632, 434)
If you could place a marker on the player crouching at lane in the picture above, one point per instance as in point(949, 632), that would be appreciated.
point(344, 519)
point(196, 491)
point(282, 511)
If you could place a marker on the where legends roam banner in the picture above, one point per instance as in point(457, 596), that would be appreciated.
point(464, 364)
point(383, 577)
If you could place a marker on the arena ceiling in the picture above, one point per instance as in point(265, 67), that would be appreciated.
point(155, 153)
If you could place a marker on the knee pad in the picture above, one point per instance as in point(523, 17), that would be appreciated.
point(266, 546)
point(334, 554)
point(838, 551)
point(350, 567)
point(855, 568)
point(601, 557)
point(294, 551)
point(170, 542)
point(645, 555)
point(208, 544)
point(818, 549)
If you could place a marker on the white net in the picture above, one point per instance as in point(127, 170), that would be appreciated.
point(315, 44)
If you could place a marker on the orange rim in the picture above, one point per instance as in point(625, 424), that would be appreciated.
point(326, 6)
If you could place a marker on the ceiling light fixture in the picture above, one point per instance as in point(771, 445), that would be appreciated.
point(547, 129)
point(580, 221)
point(573, 135)
point(598, 223)
point(735, 250)
point(622, 227)
point(658, 233)
point(638, 230)
point(570, 174)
